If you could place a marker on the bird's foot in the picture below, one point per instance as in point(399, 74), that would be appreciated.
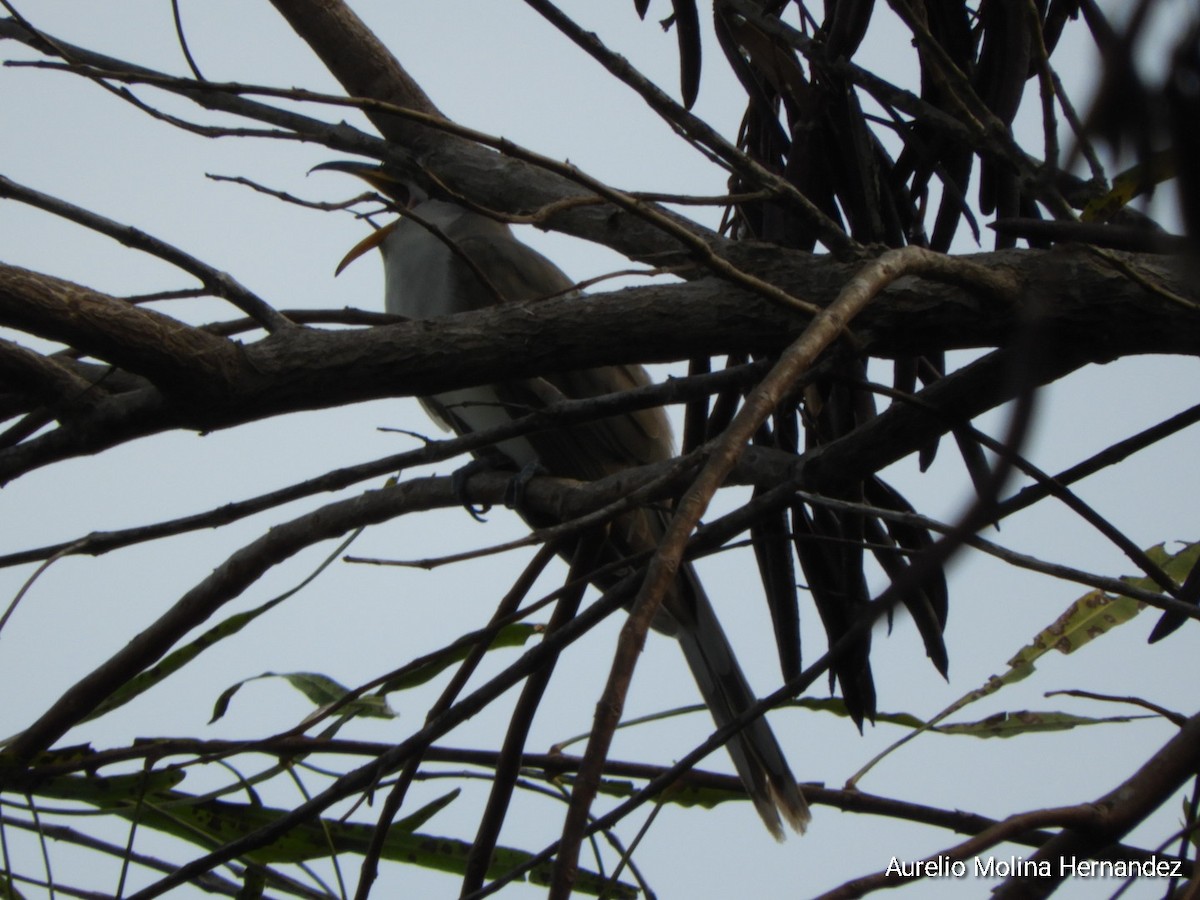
point(514, 494)
point(458, 482)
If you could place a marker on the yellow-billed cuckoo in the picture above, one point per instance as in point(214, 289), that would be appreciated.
point(441, 258)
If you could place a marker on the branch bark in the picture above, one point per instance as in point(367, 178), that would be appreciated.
point(1091, 312)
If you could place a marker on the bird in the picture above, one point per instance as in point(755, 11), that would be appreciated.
point(442, 258)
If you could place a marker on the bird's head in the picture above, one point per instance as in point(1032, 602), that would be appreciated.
point(404, 192)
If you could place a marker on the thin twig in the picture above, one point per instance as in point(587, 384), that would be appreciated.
point(824, 329)
point(220, 283)
point(699, 132)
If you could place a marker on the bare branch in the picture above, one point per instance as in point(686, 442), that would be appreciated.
point(219, 283)
point(164, 350)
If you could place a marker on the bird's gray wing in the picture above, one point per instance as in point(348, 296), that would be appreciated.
point(519, 273)
point(515, 271)
point(609, 445)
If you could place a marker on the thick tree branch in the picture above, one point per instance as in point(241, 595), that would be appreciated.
point(170, 354)
point(219, 283)
point(229, 580)
point(1090, 313)
point(363, 65)
point(552, 765)
point(42, 379)
point(1104, 821)
point(128, 371)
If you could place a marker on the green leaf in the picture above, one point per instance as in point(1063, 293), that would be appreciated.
point(1178, 565)
point(681, 795)
point(1011, 724)
point(833, 705)
point(324, 691)
point(110, 791)
point(515, 635)
point(415, 820)
point(1087, 618)
point(176, 660)
point(837, 707)
point(1003, 724)
point(1130, 184)
point(320, 689)
point(147, 799)
point(1094, 614)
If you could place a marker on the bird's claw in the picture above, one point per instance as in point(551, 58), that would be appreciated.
point(514, 494)
point(458, 483)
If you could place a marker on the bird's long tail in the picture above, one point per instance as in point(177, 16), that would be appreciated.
point(756, 753)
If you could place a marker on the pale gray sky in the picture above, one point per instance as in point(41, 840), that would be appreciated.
point(496, 67)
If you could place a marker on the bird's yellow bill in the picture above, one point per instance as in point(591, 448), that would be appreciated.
point(370, 242)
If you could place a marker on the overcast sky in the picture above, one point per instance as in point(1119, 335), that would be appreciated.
point(496, 67)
